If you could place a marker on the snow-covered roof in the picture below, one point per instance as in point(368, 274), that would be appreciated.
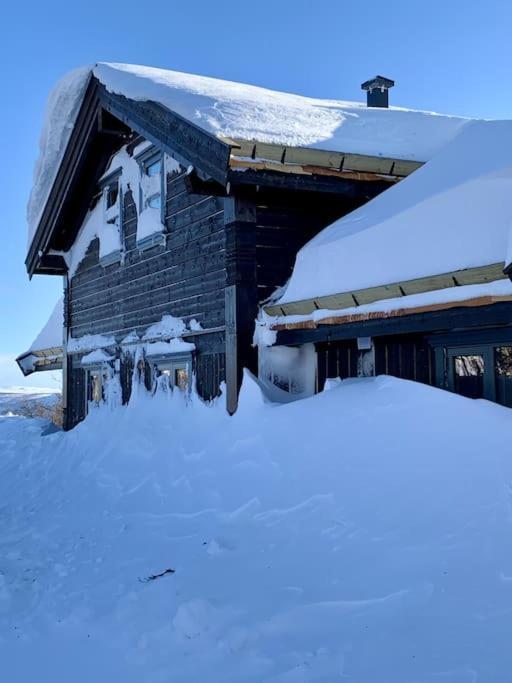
point(46, 349)
point(236, 110)
point(453, 213)
point(50, 337)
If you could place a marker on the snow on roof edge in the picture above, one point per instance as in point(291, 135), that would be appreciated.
point(230, 109)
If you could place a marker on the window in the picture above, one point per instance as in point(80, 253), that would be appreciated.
point(175, 370)
point(181, 378)
point(153, 168)
point(483, 371)
point(503, 374)
point(469, 375)
point(110, 235)
point(112, 202)
point(151, 185)
point(155, 201)
point(111, 195)
point(94, 387)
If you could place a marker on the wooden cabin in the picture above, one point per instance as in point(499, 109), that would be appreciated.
point(170, 231)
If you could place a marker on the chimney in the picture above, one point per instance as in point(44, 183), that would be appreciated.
point(377, 91)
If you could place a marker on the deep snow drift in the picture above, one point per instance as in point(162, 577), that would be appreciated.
point(362, 535)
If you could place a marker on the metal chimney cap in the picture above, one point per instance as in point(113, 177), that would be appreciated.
point(378, 82)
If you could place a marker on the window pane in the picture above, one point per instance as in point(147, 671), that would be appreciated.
point(153, 168)
point(154, 202)
point(112, 194)
point(469, 375)
point(181, 378)
point(503, 370)
point(96, 393)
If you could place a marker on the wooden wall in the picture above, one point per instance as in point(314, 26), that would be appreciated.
point(336, 359)
point(221, 258)
point(186, 278)
point(283, 225)
point(405, 356)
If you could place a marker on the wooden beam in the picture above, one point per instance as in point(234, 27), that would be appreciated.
point(377, 315)
point(304, 156)
point(349, 188)
point(459, 317)
point(467, 276)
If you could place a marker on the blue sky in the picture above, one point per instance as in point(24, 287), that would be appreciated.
point(450, 56)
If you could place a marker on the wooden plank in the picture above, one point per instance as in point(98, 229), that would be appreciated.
point(246, 148)
point(271, 152)
point(358, 162)
point(304, 156)
point(405, 168)
point(313, 157)
point(477, 275)
point(397, 313)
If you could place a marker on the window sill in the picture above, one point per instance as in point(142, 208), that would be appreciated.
point(156, 239)
point(109, 259)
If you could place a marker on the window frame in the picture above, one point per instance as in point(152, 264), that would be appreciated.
point(105, 184)
point(90, 372)
point(173, 363)
point(145, 159)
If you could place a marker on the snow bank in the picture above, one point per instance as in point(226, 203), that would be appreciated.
point(244, 111)
point(452, 213)
point(362, 535)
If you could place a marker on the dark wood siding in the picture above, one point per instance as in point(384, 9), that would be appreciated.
point(407, 357)
point(337, 359)
point(283, 226)
point(76, 401)
point(186, 278)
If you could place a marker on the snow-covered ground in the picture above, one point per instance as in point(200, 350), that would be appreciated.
point(362, 535)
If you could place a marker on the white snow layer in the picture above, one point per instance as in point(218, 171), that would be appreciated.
point(265, 336)
point(452, 213)
point(51, 335)
point(230, 109)
point(61, 111)
point(360, 535)
point(97, 356)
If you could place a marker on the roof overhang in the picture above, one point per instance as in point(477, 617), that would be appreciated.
point(485, 311)
point(247, 154)
point(104, 121)
point(40, 360)
point(369, 295)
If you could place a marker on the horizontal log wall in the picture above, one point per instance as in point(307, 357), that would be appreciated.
point(186, 278)
point(283, 226)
